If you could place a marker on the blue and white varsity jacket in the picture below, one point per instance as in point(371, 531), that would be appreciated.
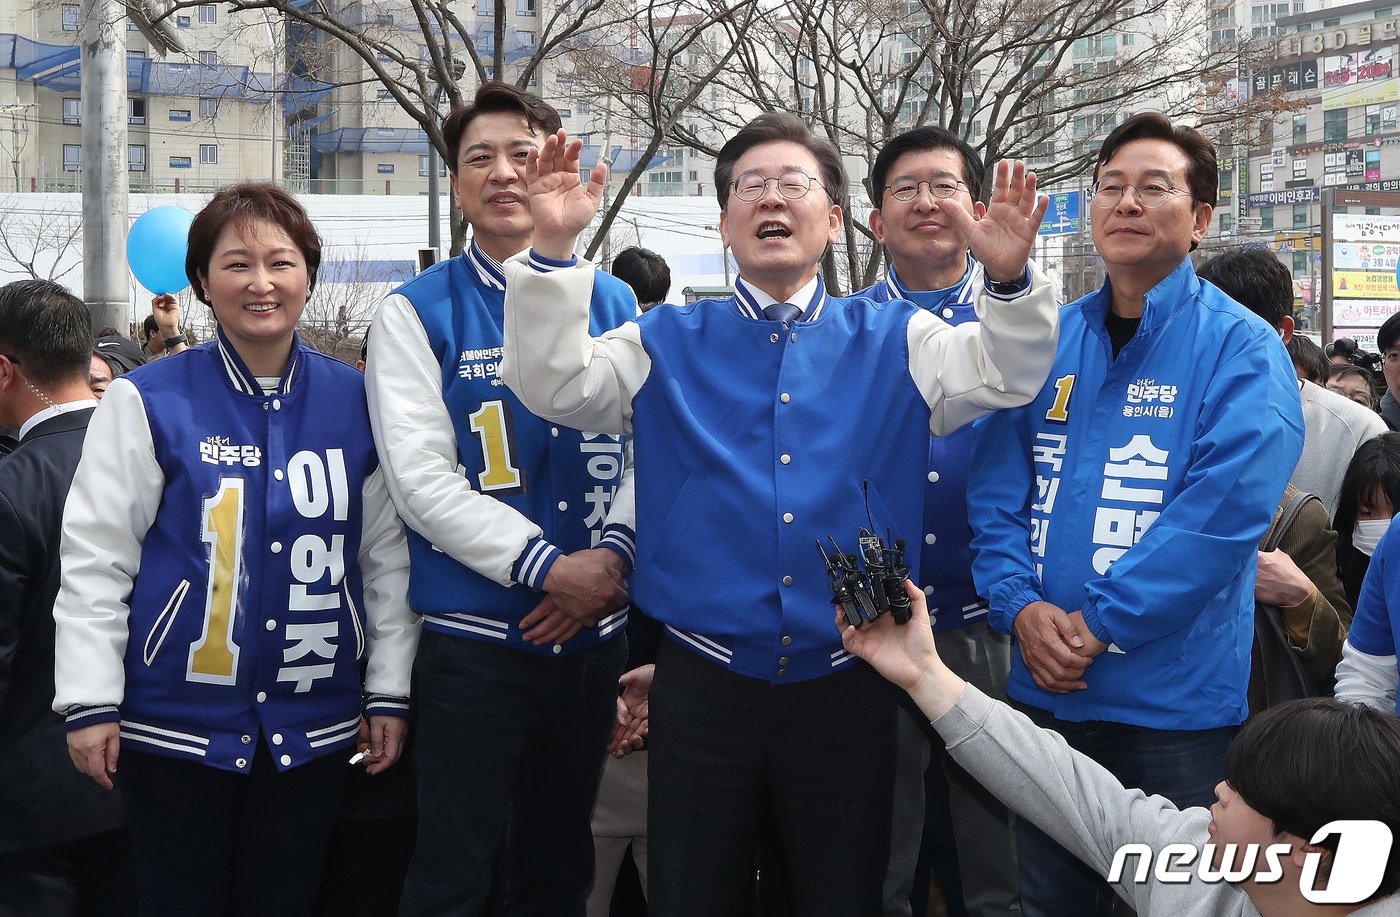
point(491, 493)
point(945, 538)
point(228, 558)
point(1137, 490)
point(753, 440)
point(1368, 672)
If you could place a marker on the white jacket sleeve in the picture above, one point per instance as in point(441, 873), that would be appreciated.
point(112, 504)
point(999, 361)
point(417, 446)
point(1366, 679)
point(391, 628)
point(551, 361)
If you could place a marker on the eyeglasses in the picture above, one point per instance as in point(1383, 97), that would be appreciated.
point(939, 189)
point(1150, 196)
point(792, 185)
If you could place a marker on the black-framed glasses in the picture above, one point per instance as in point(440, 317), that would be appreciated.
point(1151, 195)
point(941, 188)
point(792, 185)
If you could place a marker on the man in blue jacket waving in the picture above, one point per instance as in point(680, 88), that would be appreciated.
point(1118, 514)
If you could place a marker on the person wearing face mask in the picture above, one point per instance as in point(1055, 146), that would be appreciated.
point(1368, 673)
point(1370, 492)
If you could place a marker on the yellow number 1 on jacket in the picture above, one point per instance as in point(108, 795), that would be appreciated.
point(214, 658)
point(1059, 410)
point(491, 424)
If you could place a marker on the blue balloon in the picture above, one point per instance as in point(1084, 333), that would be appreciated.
point(156, 246)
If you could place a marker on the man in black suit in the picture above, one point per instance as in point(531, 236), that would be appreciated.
point(63, 843)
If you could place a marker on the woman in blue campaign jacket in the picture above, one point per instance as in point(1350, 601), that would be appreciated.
point(229, 554)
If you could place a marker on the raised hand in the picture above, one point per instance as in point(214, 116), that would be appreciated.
point(1002, 240)
point(559, 202)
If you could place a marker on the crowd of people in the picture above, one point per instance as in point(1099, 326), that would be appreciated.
point(451, 634)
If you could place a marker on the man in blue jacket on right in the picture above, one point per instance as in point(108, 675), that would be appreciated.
point(1117, 516)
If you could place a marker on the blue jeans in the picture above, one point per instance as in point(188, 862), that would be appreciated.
point(1182, 765)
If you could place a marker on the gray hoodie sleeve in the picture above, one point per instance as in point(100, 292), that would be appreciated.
point(1079, 803)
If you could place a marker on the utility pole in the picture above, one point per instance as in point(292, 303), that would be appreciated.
point(103, 87)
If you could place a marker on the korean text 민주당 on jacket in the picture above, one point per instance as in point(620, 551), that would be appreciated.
point(1137, 490)
point(491, 493)
point(754, 439)
point(228, 557)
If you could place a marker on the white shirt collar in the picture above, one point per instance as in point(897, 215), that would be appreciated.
point(54, 411)
point(801, 299)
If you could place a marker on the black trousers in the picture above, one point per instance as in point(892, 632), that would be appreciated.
point(507, 738)
point(87, 877)
point(819, 759)
point(213, 842)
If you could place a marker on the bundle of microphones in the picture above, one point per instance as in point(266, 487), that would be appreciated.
point(867, 585)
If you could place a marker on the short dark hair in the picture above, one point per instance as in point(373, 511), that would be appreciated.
point(1343, 370)
point(241, 205)
point(780, 127)
point(645, 272)
point(1309, 762)
point(1308, 359)
point(493, 97)
point(1388, 334)
point(1202, 176)
point(47, 330)
point(150, 326)
point(1254, 278)
point(918, 140)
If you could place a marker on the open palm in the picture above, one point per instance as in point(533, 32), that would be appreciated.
point(1002, 240)
point(560, 203)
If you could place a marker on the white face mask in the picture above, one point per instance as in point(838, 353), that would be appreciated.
point(1367, 535)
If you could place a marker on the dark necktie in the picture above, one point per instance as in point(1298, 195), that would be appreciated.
point(784, 312)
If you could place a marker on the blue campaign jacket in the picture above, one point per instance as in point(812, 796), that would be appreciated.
point(246, 614)
point(566, 478)
point(1137, 490)
point(946, 536)
point(752, 441)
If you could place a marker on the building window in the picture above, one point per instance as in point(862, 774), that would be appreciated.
point(1334, 126)
point(208, 12)
point(72, 111)
point(72, 157)
point(384, 19)
point(132, 26)
point(527, 37)
point(209, 153)
point(1300, 216)
point(135, 111)
point(208, 108)
point(179, 114)
point(384, 168)
point(208, 58)
point(423, 166)
point(1300, 129)
point(384, 95)
point(136, 157)
point(485, 7)
point(1300, 264)
point(565, 113)
point(524, 7)
point(1266, 219)
point(182, 22)
point(1227, 224)
point(179, 162)
point(70, 17)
